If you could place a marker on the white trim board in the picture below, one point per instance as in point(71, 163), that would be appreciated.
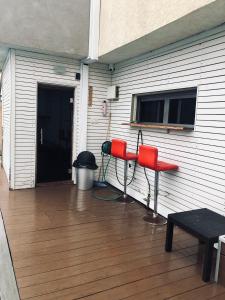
point(12, 119)
point(94, 30)
point(74, 127)
point(83, 111)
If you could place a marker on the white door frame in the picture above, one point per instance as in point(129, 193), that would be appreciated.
point(74, 129)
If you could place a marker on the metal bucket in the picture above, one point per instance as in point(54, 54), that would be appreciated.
point(85, 178)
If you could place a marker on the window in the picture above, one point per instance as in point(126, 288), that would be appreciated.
point(168, 108)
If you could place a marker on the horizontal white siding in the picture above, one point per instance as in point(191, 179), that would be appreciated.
point(99, 79)
point(6, 113)
point(31, 69)
point(200, 154)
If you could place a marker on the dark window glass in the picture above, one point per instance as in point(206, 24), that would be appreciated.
point(151, 111)
point(175, 107)
point(187, 114)
point(173, 111)
point(182, 111)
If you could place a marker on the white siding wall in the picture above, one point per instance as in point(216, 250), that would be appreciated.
point(6, 92)
point(32, 69)
point(99, 79)
point(200, 154)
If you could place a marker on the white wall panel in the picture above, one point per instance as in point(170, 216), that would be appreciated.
point(99, 79)
point(31, 69)
point(6, 92)
point(200, 154)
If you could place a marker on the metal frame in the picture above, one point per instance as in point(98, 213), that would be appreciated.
point(125, 199)
point(164, 96)
point(125, 179)
point(154, 218)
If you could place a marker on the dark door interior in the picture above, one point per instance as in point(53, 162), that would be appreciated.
point(54, 133)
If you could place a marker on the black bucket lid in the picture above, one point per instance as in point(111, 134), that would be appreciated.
point(85, 159)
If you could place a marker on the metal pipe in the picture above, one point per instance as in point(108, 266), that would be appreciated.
point(156, 192)
point(125, 178)
point(41, 136)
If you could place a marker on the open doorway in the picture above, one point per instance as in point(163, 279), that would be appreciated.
point(54, 133)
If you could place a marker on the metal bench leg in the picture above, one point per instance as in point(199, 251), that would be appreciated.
point(207, 262)
point(125, 198)
point(154, 218)
point(169, 236)
point(125, 179)
point(217, 261)
point(156, 192)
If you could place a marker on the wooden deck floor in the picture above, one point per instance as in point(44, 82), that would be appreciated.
point(66, 245)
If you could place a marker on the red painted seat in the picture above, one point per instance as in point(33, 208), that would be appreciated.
point(148, 158)
point(119, 150)
point(164, 166)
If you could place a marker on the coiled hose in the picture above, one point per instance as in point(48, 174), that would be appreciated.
point(115, 193)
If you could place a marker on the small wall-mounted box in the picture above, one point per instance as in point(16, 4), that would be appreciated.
point(113, 93)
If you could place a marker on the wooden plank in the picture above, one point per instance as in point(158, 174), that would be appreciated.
point(167, 127)
point(202, 293)
point(69, 248)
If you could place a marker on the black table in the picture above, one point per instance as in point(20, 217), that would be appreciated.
point(204, 224)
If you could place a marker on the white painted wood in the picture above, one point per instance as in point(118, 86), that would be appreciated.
point(94, 30)
point(31, 69)
point(83, 108)
point(98, 125)
point(6, 92)
point(200, 154)
point(12, 121)
point(34, 68)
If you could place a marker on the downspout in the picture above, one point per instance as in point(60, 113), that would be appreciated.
point(84, 68)
point(94, 31)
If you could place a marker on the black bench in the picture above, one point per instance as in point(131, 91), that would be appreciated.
point(204, 224)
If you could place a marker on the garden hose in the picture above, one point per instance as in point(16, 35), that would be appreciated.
point(115, 193)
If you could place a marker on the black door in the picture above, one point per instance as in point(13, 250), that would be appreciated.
point(54, 133)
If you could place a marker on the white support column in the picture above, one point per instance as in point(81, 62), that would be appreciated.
point(94, 30)
point(92, 57)
point(12, 120)
point(83, 108)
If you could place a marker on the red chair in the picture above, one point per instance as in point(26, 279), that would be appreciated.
point(148, 158)
point(119, 150)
